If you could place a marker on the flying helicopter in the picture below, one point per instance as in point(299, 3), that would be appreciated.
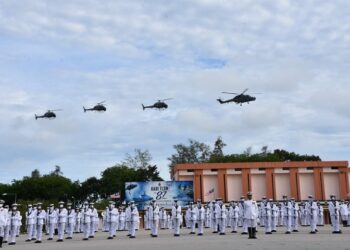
point(239, 98)
point(99, 107)
point(160, 104)
point(49, 114)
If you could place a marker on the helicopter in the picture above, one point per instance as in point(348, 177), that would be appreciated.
point(99, 107)
point(160, 104)
point(49, 114)
point(239, 98)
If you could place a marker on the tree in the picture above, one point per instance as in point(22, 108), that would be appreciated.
point(195, 152)
point(218, 147)
point(57, 171)
point(248, 151)
point(35, 173)
point(140, 159)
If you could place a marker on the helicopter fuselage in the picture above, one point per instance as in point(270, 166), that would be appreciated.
point(98, 108)
point(239, 99)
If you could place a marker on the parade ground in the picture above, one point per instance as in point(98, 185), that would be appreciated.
point(209, 241)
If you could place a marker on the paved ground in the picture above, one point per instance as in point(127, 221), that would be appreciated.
point(302, 240)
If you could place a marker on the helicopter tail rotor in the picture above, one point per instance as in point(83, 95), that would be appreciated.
point(84, 109)
point(143, 107)
point(220, 101)
point(36, 117)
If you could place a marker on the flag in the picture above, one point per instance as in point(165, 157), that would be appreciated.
point(115, 196)
point(210, 192)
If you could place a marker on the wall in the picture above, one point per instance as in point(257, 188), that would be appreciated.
point(306, 183)
point(258, 185)
point(282, 185)
point(234, 187)
point(209, 182)
point(331, 184)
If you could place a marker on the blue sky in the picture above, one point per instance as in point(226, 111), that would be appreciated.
point(74, 53)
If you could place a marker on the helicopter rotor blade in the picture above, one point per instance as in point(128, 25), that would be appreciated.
point(53, 110)
point(166, 99)
point(244, 91)
point(101, 102)
point(231, 93)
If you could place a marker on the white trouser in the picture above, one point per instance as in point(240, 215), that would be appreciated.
point(335, 223)
point(313, 223)
point(200, 226)
point(192, 226)
point(70, 229)
point(295, 222)
point(51, 230)
point(13, 230)
point(288, 223)
point(133, 228)
point(92, 228)
point(61, 227)
point(320, 221)
point(34, 232)
point(273, 223)
point(6, 232)
point(2, 231)
point(112, 228)
point(77, 227)
point(86, 229)
point(222, 225)
point(251, 222)
point(39, 232)
point(267, 223)
point(245, 225)
point(30, 231)
point(234, 224)
point(176, 224)
point(154, 228)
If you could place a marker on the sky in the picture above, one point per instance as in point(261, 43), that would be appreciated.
point(70, 54)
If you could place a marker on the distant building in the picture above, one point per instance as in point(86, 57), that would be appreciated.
point(271, 179)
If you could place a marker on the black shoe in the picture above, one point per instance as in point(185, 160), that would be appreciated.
point(12, 243)
point(91, 237)
point(192, 233)
point(274, 231)
point(132, 237)
point(5, 241)
point(244, 233)
point(28, 240)
point(268, 233)
point(110, 238)
point(316, 230)
point(68, 238)
point(49, 239)
point(233, 232)
point(215, 232)
point(33, 238)
point(222, 234)
point(38, 241)
point(312, 232)
point(200, 234)
point(295, 231)
point(129, 235)
point(59, 240)
point(287, 232)
point(86, 239)
point(176, 235)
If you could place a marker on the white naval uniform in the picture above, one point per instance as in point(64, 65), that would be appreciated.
point(333, 207)
point(61, 223)
point(30, 223)
point(86, 223)
point(134, 213)
point(112, 218)
point(251, 212)
point(40, 221)
point(15, 223)
point(71, 220)
point(153, 217)
point(176, 219)
point(200, 219)
point(295, 216)
point(234, 214)
point(287, 215)
point(266, 213)
point(311, 207)
point(192, 219)
point(221, 213)
point(274, 217)
point(51, 221)
point(94, 219)
point(320, 219)
point(207, 223)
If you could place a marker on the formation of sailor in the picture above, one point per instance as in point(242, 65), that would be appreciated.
point(153, 218)
point(176, 216)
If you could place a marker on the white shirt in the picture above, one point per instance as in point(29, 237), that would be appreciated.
point(250, 209)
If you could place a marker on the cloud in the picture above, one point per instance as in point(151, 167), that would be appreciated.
point(72, 54)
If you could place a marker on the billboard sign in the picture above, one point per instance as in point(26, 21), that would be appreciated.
point(164, 192)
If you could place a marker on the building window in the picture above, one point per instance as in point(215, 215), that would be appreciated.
point(214, 170)
point(285, 168)
point(262, 169)
point(310, 168)
point(334, 168)
point(190, 170)
point(238, 169)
